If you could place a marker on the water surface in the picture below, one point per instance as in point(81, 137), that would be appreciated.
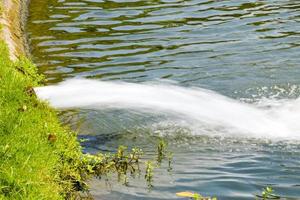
point(245, 50)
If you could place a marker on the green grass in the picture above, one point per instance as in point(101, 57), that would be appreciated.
point(39, 159)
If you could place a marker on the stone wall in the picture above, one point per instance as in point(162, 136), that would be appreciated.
point(13, 18)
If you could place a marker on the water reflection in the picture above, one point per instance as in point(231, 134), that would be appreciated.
point(216, 44)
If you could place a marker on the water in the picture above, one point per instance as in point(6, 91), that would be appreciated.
point(206, 112)
point(218, 79)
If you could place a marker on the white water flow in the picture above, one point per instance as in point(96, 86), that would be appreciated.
point(201, 107)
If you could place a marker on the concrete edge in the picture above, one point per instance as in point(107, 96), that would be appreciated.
point(13, 21)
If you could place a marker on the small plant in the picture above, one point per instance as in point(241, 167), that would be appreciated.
point(267, 193)
point(149, 174)
point(161, 150)
point(122, 162)
point(170, 159)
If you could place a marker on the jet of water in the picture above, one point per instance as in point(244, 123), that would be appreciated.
point(199, 106)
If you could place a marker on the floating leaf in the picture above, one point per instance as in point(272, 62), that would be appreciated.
point(185, 194)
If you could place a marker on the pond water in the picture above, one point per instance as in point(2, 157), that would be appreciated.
point(231, 142)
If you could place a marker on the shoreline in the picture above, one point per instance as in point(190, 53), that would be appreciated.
point(39, 157)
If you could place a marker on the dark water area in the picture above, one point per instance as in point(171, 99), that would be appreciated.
point(246, 50)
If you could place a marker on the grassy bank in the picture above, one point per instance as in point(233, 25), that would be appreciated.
point(39, 159)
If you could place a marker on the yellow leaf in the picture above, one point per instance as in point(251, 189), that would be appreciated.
point(185, 194)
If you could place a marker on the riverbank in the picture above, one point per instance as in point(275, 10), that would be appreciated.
point(39, 159)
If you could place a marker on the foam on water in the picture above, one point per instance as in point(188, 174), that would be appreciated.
point(204, 110)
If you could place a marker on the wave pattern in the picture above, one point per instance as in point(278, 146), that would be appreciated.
point(218, 44)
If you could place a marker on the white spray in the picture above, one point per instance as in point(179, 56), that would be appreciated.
point(199, 106)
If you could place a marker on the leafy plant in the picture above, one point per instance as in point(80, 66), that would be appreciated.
point(149, 174)
point(161, 150)
point(267, 193)
point(170, 159)
point(122, 162)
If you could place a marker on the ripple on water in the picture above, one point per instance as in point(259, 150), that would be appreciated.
point(230, 45)
point(245, 49)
